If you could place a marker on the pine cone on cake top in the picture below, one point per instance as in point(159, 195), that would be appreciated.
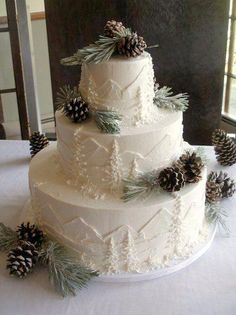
point(191, 165)
point(38, 142)
point(30, 233)
point(112, 27)
point(22, 259)
point(77, 110)
point(131, 45)
point(171, 179)
point(225, 148)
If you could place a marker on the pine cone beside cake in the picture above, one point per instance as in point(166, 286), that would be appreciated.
point(225, 148)
point(131, 45)
point(112, 27)
point(77, 110)
point(38, 142)
point(214, 187)
point(30, 233)
point(191, 165)
point(22, 259)
point(171, 179)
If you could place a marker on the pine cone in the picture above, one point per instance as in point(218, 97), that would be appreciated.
point(171, 179)
point(131, 46)
point(30, 233)
point(38, 142)
point(22, 259)
point(112, 27)
point(77, 110)
point(214, 187)
point(225, 148)
point(191, 165)
point(229, 187)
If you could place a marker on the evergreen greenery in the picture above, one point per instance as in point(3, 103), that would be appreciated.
point(65, 272)
point(140, 187)
point(8, 238)
point(108, 121)
point(216, 215)
point(65, 95)
point(164, 98)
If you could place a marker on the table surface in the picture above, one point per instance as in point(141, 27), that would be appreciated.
point(208, 286)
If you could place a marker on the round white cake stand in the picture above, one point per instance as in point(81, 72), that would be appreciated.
point(174, 266)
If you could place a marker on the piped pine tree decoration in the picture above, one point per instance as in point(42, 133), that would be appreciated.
point(219, 185)
point(225, 148)
point(191, 165)
point(171, 179)
point(30, 233)
point(165, 99)
point(132, 45)
point(22, 259)
point(77, 110)
point(38, 142)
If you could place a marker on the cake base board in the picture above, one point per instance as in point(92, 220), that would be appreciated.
point(174, 266)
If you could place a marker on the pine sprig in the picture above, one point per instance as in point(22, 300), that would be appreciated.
point(140, 187)
point(8, 238)
point(100, 51)
point(65, 273)
point(65, 95)
point(164, 98)
point(216, 215)
point(108, 121)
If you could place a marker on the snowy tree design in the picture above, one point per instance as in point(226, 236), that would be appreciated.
point(92, 95)
point(114, 170)
point(175, 241)
point(130, 254)
point(141, 107)
point(111, 258)
point(79, 162)
point(133, 169)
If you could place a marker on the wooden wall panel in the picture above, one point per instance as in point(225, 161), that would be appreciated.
point(192, 36)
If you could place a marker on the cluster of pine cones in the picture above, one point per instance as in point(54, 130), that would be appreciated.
point(185, 170)
point(23, 258)
point(130, 44)
point(219, 185)
point(225, 148)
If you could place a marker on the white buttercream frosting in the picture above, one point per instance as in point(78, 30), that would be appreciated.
point(88, 155)
point(110, 235)
point(121, 84)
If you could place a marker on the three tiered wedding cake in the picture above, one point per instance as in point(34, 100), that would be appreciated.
point(112, 188)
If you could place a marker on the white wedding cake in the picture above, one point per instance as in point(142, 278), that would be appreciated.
point(78, 183)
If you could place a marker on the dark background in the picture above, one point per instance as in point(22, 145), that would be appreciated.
point(192, 35)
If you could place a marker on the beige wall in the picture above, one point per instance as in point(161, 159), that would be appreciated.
point(41, 65)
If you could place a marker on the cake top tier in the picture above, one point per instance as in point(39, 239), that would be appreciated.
point(122, 85)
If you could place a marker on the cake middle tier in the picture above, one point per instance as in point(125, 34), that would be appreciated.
point(101, 161)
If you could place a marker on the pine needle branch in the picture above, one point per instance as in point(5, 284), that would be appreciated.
point(8, 238)
point(108, 121)
point(65, 94)
point(164, 98)
point(65, 272)
point(216, 215)
point(140, 187)
point(97, 52)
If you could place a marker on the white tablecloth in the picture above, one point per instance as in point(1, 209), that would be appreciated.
point(207, 287)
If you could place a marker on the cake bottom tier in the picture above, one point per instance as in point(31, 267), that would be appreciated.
point(112, 236)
